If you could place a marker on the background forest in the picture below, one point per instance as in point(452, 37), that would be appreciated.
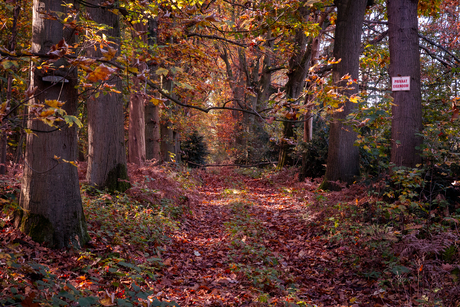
point(119, 119)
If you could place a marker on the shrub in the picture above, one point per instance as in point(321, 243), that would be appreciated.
point(194, 150)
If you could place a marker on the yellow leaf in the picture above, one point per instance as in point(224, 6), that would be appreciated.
point(47, 113)
point(155, 101)
point(54, 103)
point(70, 162)
point(106, 301)
point(355, 99)
point(162, 71)
point(133, 70)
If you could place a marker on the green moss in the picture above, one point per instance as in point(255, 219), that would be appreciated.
point(117, 179)
point(329, 186)
point(38, 227)
point(41, 230)
point(83, 230)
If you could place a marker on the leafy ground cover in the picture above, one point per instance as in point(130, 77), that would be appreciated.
point(223, 237)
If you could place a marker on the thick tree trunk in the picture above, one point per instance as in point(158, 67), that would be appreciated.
point(405, 61)
point(50, 194)
point(106, 145)
point(343, 156)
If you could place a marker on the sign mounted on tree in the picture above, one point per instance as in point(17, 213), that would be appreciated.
point(400, 84)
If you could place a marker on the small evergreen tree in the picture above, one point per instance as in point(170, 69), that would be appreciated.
point(194, 150)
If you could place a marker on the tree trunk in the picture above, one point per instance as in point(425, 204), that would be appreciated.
point(136, 138)
point(152, 112)
point(136, 127)
point(152, 132)
point(4, 134)
point(343, 156)
point(167, 141)
point(298, 69)
point(106, 145)
point(50, 199)
point(405, 61)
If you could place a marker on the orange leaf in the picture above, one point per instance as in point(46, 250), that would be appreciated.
point(101, 72)
point(47, 113)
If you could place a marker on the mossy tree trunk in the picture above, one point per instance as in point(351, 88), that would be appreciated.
point(50, 199)
point(106, 145)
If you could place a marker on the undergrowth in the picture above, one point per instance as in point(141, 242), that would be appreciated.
point(399, 233)
point(117, 267)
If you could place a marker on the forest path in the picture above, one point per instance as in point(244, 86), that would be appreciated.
point(248, 243)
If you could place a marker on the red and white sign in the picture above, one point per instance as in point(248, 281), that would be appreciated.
point(400, 84)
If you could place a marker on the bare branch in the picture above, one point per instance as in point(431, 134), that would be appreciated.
point(440, 47)
point(217, 38)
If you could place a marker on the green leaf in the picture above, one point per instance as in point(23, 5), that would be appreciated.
point(58, 302)
point(71, 119)
point(123, 303)
point(399, 269)
point(129, 265)
point(87, 301)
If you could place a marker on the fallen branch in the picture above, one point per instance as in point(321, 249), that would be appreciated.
point(231, 165)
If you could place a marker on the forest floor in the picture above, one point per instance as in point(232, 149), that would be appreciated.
point(220, 237)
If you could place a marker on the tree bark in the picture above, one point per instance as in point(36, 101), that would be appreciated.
point(343, 156)
point(136, 137)
point(152, 132)
point(136, 127)
point(152, 112)
point(106, 145)
point(50, 199)
point(11, 47)
point(405, 61)
point(167, 141)
point(298, 69)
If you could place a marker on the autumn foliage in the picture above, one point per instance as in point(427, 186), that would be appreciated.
point(270, 163)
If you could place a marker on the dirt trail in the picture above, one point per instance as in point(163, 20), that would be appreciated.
point(248, 243)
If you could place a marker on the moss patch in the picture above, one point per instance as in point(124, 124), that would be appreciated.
point(117, 179)
point(38, 227)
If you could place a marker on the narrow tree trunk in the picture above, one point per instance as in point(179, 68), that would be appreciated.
point(177, 151)
point(136, 127)
point(12, 47)
point(136, 137)
point(298, 69)
point(405, 61)
point(343, 156)
point(152, 112)
point(50, 194)
point(167, 141)
point(152, 132)
point(106, 145)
